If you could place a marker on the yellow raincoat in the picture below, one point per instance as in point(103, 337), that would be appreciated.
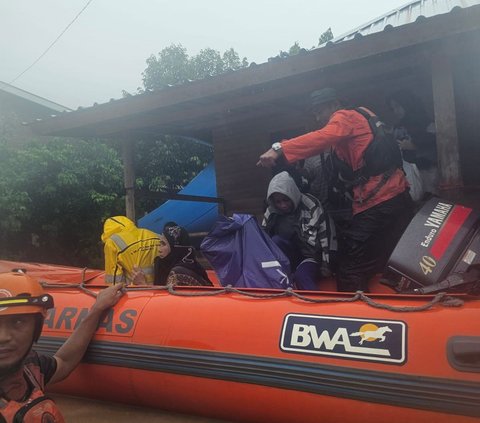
point(127, 246)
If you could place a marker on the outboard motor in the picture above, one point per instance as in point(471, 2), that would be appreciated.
point(439, 250)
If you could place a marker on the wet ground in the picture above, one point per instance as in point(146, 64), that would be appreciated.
point(81, 410)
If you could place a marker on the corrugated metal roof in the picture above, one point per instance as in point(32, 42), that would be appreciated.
point(32, 97)
point(405, 15)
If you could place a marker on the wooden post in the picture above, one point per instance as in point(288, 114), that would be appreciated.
point(446, 123)
point(129, 178)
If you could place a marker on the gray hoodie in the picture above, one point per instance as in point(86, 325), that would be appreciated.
point(284, 184)
point(311, 226)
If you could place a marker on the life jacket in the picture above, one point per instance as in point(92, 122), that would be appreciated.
point(38, 408)
point(381, 157)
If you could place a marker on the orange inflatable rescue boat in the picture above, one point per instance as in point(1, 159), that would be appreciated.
point(257, 355)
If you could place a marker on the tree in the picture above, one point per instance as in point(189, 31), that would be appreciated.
point(54, 198)
point(173, 66)
point(292, 51)
point(231, 60)
point(296, 48)
point(325, 37)
point(167, 165)
point(208, 62)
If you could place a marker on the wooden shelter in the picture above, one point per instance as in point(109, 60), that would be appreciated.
point(243, 112)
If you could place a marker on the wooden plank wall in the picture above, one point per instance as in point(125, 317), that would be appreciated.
point(236, 151)
point(467, 100)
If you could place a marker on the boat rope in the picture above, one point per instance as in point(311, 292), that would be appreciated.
point(80, 285)
point(441, 298)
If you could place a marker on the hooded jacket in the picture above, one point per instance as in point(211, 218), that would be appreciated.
point(311, 230)
point(127, 246)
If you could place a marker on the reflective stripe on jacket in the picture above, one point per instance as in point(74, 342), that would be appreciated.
point(127, 247)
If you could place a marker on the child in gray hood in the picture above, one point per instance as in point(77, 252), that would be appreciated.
point(297, 223)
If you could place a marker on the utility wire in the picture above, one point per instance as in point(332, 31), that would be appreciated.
point(52, 44)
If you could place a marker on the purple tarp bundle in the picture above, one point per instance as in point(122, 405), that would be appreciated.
point(243, 255)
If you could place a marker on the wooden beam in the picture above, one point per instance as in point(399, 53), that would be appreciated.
point(129, 178)
point(445, 121)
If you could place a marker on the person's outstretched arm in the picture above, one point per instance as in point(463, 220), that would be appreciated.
point(338, 128)
point(72, 351)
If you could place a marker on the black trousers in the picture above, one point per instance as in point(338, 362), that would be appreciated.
point(368, 241)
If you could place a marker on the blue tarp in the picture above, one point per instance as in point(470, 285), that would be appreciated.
point(192, 215)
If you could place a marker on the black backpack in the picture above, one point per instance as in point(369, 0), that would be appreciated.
point(381, 156)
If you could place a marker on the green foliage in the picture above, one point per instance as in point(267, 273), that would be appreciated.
point(167, 165)
point(11, 129)
point(296, 48)
point(231, 60)
point(207, 62)
point(174, 66)
point(325, 37)
point(54, 198)
point(292, 51)
point(171, 67)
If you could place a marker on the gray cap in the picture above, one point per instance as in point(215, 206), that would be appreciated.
point(323, 96)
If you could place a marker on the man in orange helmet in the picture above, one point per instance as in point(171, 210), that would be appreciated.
point(23, 372)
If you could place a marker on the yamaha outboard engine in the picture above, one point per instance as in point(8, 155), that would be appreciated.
point(439, 250)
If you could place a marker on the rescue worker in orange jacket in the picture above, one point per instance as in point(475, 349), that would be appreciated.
point(23, 372)
point(127, 248)
point(382, 206)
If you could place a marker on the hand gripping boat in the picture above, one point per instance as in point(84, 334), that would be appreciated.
point(281, 356)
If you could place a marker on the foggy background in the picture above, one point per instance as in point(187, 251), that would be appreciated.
point(104, 50)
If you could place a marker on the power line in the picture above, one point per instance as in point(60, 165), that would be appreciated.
point(53, 43)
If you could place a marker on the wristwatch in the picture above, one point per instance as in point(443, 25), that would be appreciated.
point(277, 147)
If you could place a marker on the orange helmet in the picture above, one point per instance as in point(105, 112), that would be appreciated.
point(21, 294)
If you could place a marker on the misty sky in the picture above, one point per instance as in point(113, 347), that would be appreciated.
point(105, 50)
